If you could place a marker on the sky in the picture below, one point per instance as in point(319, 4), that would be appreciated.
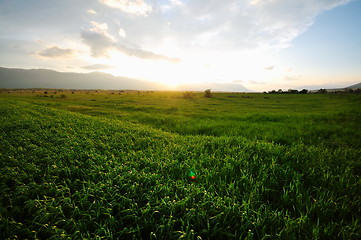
point(260, 44)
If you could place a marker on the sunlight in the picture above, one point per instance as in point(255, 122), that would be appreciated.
point(195, 68)
point(149, 70)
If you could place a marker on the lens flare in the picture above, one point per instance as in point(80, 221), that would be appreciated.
point(191, 174)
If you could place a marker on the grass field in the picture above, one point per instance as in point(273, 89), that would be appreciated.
point(114, 165)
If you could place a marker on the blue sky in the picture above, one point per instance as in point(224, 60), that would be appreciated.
point(330, 48)
point(260, 44)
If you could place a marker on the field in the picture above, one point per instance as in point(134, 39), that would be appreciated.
point(117, 165)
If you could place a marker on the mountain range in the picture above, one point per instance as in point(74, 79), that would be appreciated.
point(44, 78)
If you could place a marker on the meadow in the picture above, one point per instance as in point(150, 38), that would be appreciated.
point(116, 164)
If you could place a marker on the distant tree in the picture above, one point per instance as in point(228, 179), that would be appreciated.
point(45, 92)
point(273, 91)
point(207, 93)
point(280, 91)
point(322, 91)
point(292, 91)
point(304, 91)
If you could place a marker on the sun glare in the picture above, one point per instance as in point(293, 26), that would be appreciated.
point(195, 68)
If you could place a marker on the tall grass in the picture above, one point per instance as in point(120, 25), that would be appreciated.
point(65, 174)
point(284, 119)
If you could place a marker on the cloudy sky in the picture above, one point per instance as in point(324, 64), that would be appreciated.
point(261, 44)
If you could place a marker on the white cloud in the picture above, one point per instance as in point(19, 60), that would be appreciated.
point(97, 67)
point(208, 25)
point(292, 77)
point(122, 33)
point(171, 5)
point(136, 7)
point(101, 42)
point(231, 24)
point(99, 28)
point(56, 52)
point(269, 68)
point(98, 39)
point(278, 22)
point(237, 38)
point(92, 12)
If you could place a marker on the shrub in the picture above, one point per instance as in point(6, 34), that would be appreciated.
point(62, 96)
point(207, 93)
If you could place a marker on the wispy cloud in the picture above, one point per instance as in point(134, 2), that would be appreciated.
point(97, 67)
point(292, 77)
point(269, 68)
point(231, 24)
point(101, 42)
point(256, 82)
point(238, 81)
point(97, 38)
point(56, 52)
point(145, 54)
point(136, 7)
point(238, 39)
point(92, 12)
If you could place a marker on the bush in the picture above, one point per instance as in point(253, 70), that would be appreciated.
point(62, 96)
point(207, 93)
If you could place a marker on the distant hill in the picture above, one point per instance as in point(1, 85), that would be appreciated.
point(358, 85)
point(316, 88)
point(42, 78)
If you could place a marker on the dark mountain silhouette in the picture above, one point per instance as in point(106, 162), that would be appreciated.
point(43, 78)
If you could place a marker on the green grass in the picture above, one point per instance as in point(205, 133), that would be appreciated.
point(284, 119)
point(109, 166)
